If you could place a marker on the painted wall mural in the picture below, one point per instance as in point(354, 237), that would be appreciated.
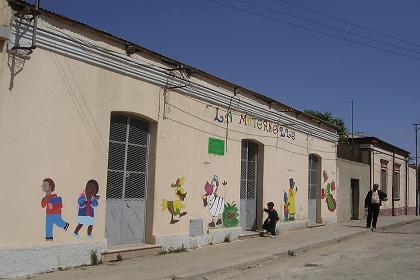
point(327, 192)
point(216, 146)
point(87, 201)
point(176, 206)
point(53, 205)
point(289, 197)
point(230, 215)
point(264, 125)
point(222, 213)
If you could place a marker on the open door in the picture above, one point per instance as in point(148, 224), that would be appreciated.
point(354, 184)
point(251, 185)
point(314, 189)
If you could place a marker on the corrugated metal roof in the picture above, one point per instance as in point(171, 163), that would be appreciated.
point(169, 60)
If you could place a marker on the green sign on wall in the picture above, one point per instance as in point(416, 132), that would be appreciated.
point(216, 146)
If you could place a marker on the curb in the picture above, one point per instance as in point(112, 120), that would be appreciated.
point(290, 252)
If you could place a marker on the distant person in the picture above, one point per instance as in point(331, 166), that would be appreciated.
point(273, 217)
point(373, 203)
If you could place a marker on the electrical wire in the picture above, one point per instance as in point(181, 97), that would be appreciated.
point(119, 55)
point(113, 53)
point(347, 22)
point(79, 108)
point(312, 29)
point(246, 133)
point(237, 113)
point(100, 48)
point(262, 119)
point(326, 25)
point(239, 140)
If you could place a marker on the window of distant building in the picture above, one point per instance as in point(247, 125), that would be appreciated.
point(396, 182)
point(384, 181)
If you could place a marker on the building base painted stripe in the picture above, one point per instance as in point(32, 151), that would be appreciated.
point(398, 211)
point(214, 236)
point(25, 260)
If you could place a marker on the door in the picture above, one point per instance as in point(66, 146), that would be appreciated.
point(249, 162)
point(354, 184)
point(314, 189)
point(129, 140)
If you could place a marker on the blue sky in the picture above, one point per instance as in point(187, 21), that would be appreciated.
point(303, 69)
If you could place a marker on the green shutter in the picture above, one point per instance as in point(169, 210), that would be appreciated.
point(216, 146)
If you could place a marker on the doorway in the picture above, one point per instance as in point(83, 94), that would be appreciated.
point(314, 189)
point(250, 189)
point(354, 184)
point(129, 141)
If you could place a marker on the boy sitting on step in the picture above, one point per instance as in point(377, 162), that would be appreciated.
point(270, 223)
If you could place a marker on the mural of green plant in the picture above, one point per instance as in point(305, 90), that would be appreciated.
point(230, 215)
point(326, 193)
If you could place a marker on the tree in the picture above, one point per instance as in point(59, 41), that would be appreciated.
point(328, 117)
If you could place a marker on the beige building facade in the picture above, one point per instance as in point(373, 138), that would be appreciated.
point(182, 158)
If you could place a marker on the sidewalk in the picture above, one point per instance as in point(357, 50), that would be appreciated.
point(195, 264)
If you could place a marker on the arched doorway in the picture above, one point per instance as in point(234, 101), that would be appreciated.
point(251, 185)
point(127, 179)
point(314, 189)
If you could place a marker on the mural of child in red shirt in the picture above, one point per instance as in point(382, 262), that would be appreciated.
point(86, 202)
point(53, 205)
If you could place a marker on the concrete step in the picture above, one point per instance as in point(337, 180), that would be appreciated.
point(315, 225)
point(248, 234)
point(118, 253)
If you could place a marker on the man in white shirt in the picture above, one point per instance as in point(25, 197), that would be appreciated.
point(373, 203)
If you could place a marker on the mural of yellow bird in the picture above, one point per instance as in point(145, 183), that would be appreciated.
point(175, 207)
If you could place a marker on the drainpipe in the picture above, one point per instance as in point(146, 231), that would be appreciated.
point(393, 181)
point(370, 168)
point(373, 168)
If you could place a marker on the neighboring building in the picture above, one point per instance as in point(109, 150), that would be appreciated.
point(388, 167)
point(354, 181)
point(412, 187)
point(182, 158)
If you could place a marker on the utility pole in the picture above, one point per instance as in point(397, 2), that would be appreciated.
point(394, 183)
point(352, 120)
point(416, 128)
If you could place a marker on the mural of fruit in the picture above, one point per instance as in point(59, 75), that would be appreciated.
point(230, 215)
point(326, 193)
point(325, 175)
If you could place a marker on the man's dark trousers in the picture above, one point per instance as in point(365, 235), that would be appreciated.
point(373, 212)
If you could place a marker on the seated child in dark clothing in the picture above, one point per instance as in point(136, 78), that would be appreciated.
point(270, 223)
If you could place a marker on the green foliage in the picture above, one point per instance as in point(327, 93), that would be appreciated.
point(230, 215)
point(174, 250)
point(328, 117)
point(94, 260)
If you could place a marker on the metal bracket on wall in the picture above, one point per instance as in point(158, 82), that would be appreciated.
point(26, 16)
point(177, 78)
